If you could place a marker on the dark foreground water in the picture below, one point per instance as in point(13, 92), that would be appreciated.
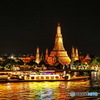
point(50, 90)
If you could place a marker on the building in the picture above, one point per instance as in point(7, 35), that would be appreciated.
point(86, 59)
point(74, 55)
point(58, 54)
point(37, 56)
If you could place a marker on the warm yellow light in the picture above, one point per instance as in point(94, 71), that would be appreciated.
point(59, 30)
point(68, 76)
point(44, 75)
point(60, 40)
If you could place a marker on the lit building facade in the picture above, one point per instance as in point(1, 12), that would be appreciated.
point(58, 53)
point(74, 55)
point(37, 56)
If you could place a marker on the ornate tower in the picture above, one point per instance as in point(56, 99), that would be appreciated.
point(73, 54)
point(46, 55)
point(76, 54)
point(37, 56)
point(58, 53)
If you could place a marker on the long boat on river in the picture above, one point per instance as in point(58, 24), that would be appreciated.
point(40, 78)
point(28, 76)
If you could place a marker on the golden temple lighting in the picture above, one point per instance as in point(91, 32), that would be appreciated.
point(58, 51)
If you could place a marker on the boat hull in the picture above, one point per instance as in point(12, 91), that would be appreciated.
point(72, 79)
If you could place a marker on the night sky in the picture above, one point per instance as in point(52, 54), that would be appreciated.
point(24, 25)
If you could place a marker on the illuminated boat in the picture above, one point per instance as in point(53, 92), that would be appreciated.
point(30, 76)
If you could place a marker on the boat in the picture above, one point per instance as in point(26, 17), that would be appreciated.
point(38, 77)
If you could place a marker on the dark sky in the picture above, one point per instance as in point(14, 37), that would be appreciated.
point(24, 25)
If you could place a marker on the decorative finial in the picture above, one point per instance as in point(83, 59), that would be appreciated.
point(58, 24)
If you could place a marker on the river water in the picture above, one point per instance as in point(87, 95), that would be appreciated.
point(58, 90)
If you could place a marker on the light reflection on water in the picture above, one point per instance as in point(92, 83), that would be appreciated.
point(46, 90)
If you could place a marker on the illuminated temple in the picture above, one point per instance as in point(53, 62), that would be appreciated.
point(58, 53)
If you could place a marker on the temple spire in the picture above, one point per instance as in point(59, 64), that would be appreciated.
point(59, 29)
point(58, 40)
point(76, 54)
point(73, 53)
point(58, 53)
point(37, 56)
point(46, 55)
point(58, 24)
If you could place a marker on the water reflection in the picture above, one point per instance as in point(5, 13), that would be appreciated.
point(48, 90)
point(40, 90)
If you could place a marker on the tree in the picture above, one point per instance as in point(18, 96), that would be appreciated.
point(95, 62)
point(20, 62)
point(31, 63)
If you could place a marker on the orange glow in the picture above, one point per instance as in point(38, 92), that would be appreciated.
point(26, 59)
point(58, 29)
point(37, 56)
